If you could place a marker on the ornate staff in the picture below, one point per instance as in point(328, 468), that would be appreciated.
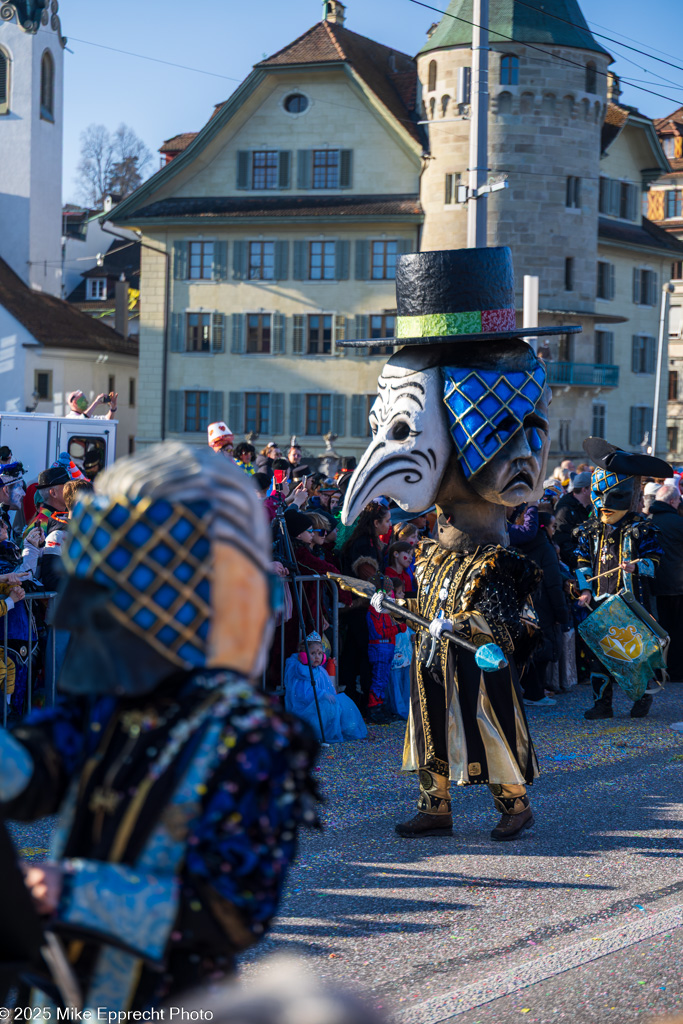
point(488, 657)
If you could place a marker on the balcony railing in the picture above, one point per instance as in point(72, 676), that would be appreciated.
point(583, 375)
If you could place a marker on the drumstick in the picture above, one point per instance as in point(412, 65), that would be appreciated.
point(610, 571)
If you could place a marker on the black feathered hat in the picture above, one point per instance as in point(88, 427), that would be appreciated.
point(456, 295)
point(615, 460)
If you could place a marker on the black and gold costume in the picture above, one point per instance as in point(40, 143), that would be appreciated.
point(466, 725)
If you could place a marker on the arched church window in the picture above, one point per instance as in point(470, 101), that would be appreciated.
point(47, 87)
point(509, 69)
point(431, 83)
point(591, 77)
point(4, 82)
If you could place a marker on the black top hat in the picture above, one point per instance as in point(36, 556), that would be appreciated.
point(456, 295)
point(607, 456)
point(53, 477)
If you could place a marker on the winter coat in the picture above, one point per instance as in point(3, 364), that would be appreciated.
point(669, 574)
point(569, 513)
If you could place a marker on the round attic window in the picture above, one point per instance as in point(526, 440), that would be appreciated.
point(296, 103)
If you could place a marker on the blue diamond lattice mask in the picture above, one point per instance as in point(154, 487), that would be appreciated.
point(487, 408)
point(611, 491)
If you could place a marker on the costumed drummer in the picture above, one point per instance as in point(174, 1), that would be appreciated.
point(619, 546)
point(461, 419)
point(178, 786)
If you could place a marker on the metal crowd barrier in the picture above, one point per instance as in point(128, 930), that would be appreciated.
point(29, 598)
point(297, 581)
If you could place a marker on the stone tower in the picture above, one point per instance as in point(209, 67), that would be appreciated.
point(31, 119)
point(546, 112)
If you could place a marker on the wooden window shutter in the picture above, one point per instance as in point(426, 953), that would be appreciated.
point(281, 270)
point(284, 169)
point(239, 260)
point(278, 346)
point(614, 197)
point(220, 261)
point(655, 204)
point(300, 260)
point(304, 168)
point(360, 330)
point(611, 285)
point(236, 412)
point(277, 413)
point(635, 354)
point(216, 406)
point(362, 259)
point(298, 327)
point(238, 332)
point(636, 285)
point(404, 245)
point(632, 205)
point(634, 426)
point(346, 168)
point(358, 422)
point(217, 332)
point(341, 251)
point(650, 354)
point(243, 169)
point(339, 415)
point(177, 332)
point(176, 411)
point(448, 198)
point(180, 261)
point(296, 413)
point(654, 287)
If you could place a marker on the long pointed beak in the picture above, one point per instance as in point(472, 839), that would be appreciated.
point(410, 477)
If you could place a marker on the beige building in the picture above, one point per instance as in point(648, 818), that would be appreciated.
point(278, 229)
point(278, 226)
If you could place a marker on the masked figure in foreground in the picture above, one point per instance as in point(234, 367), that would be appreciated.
point(179, 788)
point(461, 420)
point(619, 546)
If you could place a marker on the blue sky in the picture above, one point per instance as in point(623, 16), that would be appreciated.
point(227, 37)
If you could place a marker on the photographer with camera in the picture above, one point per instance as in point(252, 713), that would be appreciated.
point(78, 405)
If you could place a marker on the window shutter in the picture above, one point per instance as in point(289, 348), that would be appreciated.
point(177, 338)
point(176, 410)
point(215, 406)
point(243, 169)
point(611, 286)
point(636, 285)
point(339, 415)
point(304, 168)
point(218, 332)
point(650, 350)
point(277, 413)
point(653, 288)
point(296, 414)
point(404, 245)
point(358, 422)
point(300, 260)
point(338, 334)
point(608, 347)
point(220, 261)
point(634, 424)
point(239, 261)
point(341, 252)
point(448, 198)
point(278, 346)
point(284, 169)
point(236, 412)
point(298, 335)
point(635, 354)
point(238, 332)
point(632, 211)
point(180, 261)
point(281, 270)
point(362, 259)
point(614, 196)
point(345, 168)
point(360, 330)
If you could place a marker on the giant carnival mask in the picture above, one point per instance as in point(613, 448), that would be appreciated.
point(615, 483)
point(474, 403)
point(167, 570)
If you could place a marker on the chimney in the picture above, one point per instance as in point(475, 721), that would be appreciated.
point(121, 307)
point(334, 12)
point(613, 87)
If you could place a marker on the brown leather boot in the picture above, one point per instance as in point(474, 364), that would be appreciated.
point(516, 816)
point(426, 825)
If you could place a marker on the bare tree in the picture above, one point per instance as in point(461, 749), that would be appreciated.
point(110, 162)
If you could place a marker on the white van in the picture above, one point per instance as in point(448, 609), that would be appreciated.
point(36, 439)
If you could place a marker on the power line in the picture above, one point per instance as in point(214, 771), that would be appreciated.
point(532, 46)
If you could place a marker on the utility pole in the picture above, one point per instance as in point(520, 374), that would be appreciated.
point(663, 327)
point(476, 208)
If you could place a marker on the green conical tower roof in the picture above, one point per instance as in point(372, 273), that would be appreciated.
point(547, 22)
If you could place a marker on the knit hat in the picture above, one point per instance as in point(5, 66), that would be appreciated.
point(651, 488)
point(580, 480)
point(53, 477)
point(297, 522)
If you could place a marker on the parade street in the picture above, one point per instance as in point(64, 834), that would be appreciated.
point(581, 919)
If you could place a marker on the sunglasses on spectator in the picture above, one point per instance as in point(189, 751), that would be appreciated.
point(323, 532)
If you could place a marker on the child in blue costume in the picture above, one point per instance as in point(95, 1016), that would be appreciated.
point(341, 718)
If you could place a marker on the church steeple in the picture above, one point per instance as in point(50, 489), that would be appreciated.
point(31, 15)
point(549, 22)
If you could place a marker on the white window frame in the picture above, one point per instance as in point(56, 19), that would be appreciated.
point(96, 288)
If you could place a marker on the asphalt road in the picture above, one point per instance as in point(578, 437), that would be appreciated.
point(579, 920)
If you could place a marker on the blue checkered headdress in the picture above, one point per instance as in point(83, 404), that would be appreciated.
point(602, 482)
point(486, 408)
